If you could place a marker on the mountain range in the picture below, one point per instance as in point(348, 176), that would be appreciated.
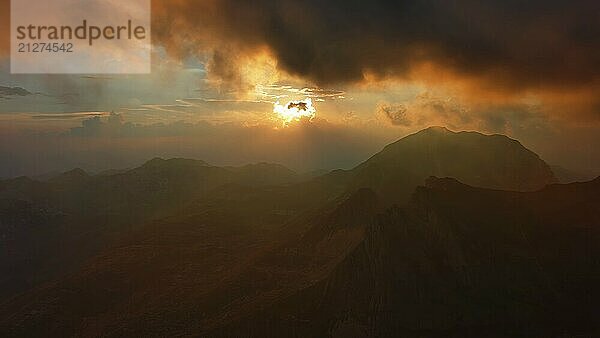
point(439, 234)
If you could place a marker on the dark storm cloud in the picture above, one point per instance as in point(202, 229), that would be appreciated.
point(517, 43)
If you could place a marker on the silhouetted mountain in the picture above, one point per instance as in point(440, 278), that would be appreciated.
point(458, 261)
point(97, 210)
point(156, 187)
point(70, 179)
point(25, 229)
point(180, 247)
point(489, 161)
point(180, 254)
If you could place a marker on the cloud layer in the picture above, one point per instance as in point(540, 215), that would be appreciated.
point(517, 43)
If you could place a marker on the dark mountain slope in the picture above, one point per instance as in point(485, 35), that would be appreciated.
point(459, 261)
point(97, 210)
point(155, 188)
point(177, 275)
point(188, 248)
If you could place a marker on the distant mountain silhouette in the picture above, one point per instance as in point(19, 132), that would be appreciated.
point(180, 247)
point(96, 210)
point(69, 180)
point(489, 161)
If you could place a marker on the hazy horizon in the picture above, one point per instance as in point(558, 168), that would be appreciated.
point(213, 94)
point(346, 157)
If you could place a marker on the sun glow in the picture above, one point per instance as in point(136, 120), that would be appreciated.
point(295, 110)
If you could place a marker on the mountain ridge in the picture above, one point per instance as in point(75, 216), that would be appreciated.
point(270, 248)
point(489, 161)
point(419, 273)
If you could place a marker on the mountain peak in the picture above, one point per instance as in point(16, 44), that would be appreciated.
point(74, 173)
point(436, 129)
point(72, 176)
point(487, 161)
point(155, 161)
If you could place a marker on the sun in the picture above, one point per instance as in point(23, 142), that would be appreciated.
point(295, 110)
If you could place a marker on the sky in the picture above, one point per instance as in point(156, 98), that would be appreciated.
point(373, 71)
